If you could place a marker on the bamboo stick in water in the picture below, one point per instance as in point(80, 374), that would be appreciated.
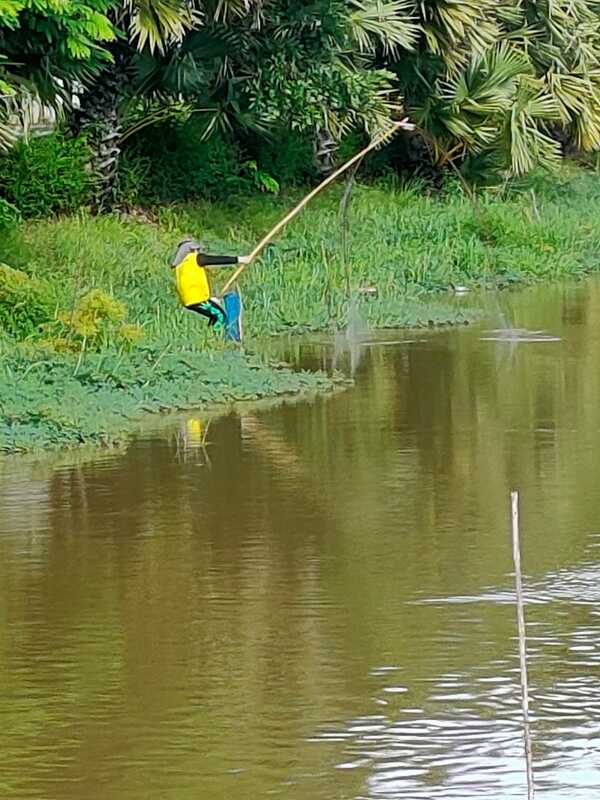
point(522, 643)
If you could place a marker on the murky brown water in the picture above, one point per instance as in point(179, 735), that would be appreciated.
point(322, 610)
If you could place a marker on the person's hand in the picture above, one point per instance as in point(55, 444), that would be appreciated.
point(244, 259)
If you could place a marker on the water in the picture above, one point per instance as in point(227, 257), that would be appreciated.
point(314, 601)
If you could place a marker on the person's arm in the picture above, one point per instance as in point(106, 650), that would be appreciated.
point(205, 260)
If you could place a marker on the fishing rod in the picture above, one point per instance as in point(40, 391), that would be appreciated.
point(377, 141)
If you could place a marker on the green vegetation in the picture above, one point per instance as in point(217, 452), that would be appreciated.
point(46, 176)
point(208, 118)
point(46, 402)
point(494, 87)
point(93, 334)
point(24, 303)
point(172, 163)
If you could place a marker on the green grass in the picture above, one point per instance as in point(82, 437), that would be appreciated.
point(410, 246)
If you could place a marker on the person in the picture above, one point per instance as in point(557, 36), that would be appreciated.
point(190, 264)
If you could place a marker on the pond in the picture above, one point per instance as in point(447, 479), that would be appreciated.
point(314, 600)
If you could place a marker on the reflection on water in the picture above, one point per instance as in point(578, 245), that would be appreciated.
point(315, 601)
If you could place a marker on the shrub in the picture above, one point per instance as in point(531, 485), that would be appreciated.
point(287, 157)
point(98, 319)
point(9, 215)
point(135, 177)
point(24, 305)
point(48, 175)
point(392, 160)
point(172, 162)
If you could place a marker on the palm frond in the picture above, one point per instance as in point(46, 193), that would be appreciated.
point(8, 131)
point(587, 127)
point(528, 142)
point(9, 12)
point(229, 9)
point(457, 31)
point(158, 23)
point(13, 98)
point(529, 146)
point(391, 24)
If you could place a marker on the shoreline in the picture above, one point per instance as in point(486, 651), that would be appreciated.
point(92, 336)
point(86, 411)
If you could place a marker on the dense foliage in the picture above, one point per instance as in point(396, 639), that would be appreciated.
point(46, 176)
point(494, 86)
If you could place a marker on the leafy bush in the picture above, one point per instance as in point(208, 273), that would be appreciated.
point(98, 319)
point(261, 180)
point(24, 305)
point(172, 162)
point(48, 175)
point(9, 215)
point(287, 156)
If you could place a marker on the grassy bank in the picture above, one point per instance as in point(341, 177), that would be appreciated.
point(93, 334)
point(45, 403)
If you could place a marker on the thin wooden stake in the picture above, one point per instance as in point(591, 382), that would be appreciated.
point(383, 137)
point(522, 644)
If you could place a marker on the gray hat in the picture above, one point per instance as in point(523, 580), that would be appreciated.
point(184, 248)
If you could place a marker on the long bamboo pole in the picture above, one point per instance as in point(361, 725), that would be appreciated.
point(289, 217)
point(522, 643)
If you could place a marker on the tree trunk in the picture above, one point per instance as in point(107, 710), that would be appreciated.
point(325, 148)
point(99, 117)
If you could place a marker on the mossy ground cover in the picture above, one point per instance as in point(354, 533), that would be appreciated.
point(93, 335)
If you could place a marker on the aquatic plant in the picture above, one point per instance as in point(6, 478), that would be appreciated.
point(46, 403)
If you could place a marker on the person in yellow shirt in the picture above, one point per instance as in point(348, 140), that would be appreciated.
point(190, 264)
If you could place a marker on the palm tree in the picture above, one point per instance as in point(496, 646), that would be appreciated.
point(309, 68)
point(488, 81)
point(491, 81)
point(152, 25)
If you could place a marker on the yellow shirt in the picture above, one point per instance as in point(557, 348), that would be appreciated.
point(192, 281)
